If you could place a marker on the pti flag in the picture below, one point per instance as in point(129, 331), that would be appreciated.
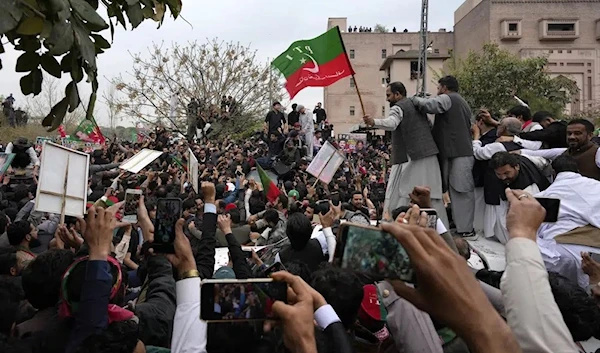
point(89, 131)
point(317, 62)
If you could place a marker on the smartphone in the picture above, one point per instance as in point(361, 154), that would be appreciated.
point(432, 217)
point(335, 198)
point(230, 300)
point(132, 201)
point(374, 252)
point(276, 267)
point(168, 211)
point(552, 207)
point(323, 206)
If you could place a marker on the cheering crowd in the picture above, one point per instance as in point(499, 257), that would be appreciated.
point(97, 285)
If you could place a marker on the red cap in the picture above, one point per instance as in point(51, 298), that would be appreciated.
point(370, 306)
point(230, 206)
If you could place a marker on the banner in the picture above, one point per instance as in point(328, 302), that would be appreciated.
point(349, 142)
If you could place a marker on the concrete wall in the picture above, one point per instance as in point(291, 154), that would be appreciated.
point(472, 30)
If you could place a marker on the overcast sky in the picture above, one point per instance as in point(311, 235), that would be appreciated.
point(269, 26)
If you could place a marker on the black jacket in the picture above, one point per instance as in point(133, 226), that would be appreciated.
point(554, 136)
point(204, 248)
point(157, 310)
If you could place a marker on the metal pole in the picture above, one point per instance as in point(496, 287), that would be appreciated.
point(270, 84)
point(422, 68)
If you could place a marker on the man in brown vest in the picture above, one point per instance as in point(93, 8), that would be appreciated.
point(581, 148)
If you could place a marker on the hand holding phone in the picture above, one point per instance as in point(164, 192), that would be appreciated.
point(132, 201)
point(168, 212)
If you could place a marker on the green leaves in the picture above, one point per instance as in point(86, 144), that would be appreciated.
point(31, 26)
point(72, 94)
point(32, 83)
point(10, 15)
point(61, 38)
point(56, 115)
point(87, 13)
point(27, 62)
point(134, 13)
point(492, 77)
point(70, 29)
point(84, 43)
point(51, 66)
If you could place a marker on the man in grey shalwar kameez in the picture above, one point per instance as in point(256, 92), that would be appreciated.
point(452, 134)
point(307, 129)
point(414, 152)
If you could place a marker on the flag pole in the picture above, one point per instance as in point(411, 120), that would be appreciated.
point(362, 105)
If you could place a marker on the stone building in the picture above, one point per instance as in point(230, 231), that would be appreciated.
point(567, 31)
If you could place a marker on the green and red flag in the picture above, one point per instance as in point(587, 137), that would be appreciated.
point(271, 190)
point(89, 131)
point(317, 62)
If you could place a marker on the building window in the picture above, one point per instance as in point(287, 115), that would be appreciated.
point(561, 27)
point(513, 27)
point(383, 53)
point(351, 110)
point(351, 53)
point(383, 80)
point(569, 51)
point(383, 110)
point(351, 82)
point(414, 70)
point(436, 51)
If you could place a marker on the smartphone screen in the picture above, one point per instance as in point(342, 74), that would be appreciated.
point(132, 201)
point(552, 207)
point(374, 252)
point(432, 217)
point(323, 206)
point(276, 267)
point(335, 198)
point(168, 211)
point(240, 300)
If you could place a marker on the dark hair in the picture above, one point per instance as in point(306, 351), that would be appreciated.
point(18, 231)
point(341, 289)
point(294, 106)
point(276, 103)
point(522, 111)
point(43, 276)
point(235, 215)
point(118, 337)
point(579, 311)
point(188, 204)
point(283, 199)
point(76, 280)
point(565, 163)
point(398, 87)
point(3, 222)
point(356, 193)
point(542, 115)
point(8, 309)
point(8, 261)
point(271, 216)
point(299, 268)
point(298, 230)
point(501, 159)
point(589, 127)
point(450, 82)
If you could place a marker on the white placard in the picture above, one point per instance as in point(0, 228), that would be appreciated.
point(140, 160)
point(326, 163)
point(60, 167)
point(193, 170)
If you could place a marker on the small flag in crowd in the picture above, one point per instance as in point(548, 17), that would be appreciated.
point(89, 131)
point(271, 190)
point(317, 62)
point(61, 131)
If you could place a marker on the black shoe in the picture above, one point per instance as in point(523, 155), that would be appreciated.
point(469, 235)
